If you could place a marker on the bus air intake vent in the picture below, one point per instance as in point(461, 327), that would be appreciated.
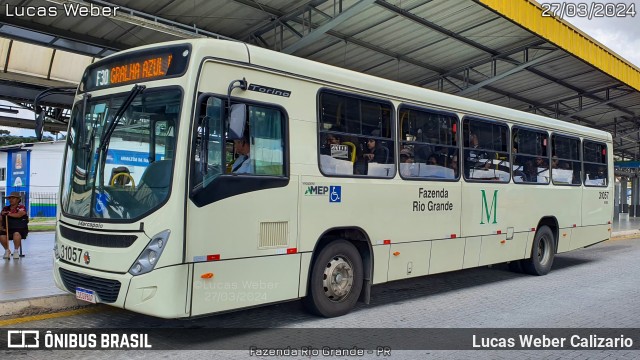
point(106, 289)
point(100, 240)
point(274, 234)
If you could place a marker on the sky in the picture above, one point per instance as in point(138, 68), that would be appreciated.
point(620, 34)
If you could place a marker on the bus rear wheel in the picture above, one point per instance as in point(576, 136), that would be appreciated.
point(542, 253)
point(336, 280)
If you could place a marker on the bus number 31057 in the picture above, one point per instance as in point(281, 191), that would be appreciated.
point(70, 253)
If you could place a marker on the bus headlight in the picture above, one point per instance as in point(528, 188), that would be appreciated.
point(150, 255)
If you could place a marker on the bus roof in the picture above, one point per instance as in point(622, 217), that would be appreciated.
point(344, 79)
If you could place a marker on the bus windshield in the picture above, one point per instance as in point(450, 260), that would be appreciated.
point(131, 174)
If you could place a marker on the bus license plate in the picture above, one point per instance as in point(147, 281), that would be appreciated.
point(85, 295)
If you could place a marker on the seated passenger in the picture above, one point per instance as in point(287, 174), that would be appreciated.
point(374, 152)
point(454, 164)
point(406, 156)
point(14, 223)
point(406, 162)
point(242, 165)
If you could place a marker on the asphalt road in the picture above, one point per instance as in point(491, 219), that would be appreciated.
point(597, 287)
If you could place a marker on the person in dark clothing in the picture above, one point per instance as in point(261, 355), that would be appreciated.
point(15, 217)
point(374, 152)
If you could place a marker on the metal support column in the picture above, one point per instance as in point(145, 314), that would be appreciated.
point(632, 208)
point(616, 200)
point(624, 206)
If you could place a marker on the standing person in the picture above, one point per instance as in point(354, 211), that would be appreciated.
point(15, 215)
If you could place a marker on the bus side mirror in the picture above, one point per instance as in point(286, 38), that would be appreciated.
point(237, 121)
point(39, 125)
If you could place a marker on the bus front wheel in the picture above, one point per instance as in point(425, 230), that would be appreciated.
point(336, 280)
point(542, 253)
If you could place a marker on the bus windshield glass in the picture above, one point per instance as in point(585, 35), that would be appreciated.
point(131, 176)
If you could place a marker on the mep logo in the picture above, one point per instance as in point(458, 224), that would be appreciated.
point(334, 192)
point(489, 210)
point(316, 190)
point(23, 339)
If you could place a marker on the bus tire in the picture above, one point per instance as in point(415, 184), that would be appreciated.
point(336, 280)
point(542, 253)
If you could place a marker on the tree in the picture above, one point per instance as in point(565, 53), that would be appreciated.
point(7, 139)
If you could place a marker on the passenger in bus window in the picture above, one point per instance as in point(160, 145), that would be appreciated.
point(477, 158)
point(454, 164)
point(476, 155)
point(406, 156)
point(442, 156)
point(407, 168)
point(541, 164)
point(330, 139)
point(374, 152)
point(533, 170)
point(554, 162)
point(242, 165)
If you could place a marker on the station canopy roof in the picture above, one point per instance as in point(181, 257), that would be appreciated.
point(501, 52)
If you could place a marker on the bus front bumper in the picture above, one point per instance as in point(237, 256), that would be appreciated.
point(161, 292)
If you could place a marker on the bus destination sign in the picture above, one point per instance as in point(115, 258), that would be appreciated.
point(137, 67)
point(142, 70)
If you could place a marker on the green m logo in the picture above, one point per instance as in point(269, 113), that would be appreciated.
point(489, 210)
point(309, 190)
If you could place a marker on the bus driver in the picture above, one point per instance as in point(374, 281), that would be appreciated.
point(242, 165)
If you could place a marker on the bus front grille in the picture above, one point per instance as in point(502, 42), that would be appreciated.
point(107, 290)
point(101, 240)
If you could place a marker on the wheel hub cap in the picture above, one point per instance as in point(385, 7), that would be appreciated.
point(337, 279)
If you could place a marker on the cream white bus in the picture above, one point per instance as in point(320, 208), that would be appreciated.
point(258, 177)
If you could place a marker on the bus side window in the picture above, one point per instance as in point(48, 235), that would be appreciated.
point(486, 151)
point(595, 164)
point(355, 136)
point(267, 142)
point(428, 143)
point(566, 151)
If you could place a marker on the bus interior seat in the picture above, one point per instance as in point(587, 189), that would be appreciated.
point(154, 183)
point(386, 155)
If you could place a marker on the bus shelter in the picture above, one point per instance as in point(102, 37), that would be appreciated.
point(627, 188)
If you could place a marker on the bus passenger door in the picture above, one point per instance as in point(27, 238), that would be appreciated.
point(241, 213)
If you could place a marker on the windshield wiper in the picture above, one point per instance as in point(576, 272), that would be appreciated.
point(111, 126)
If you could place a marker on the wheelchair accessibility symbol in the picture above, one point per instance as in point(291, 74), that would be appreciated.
point(335, 194)
point(100, 203)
